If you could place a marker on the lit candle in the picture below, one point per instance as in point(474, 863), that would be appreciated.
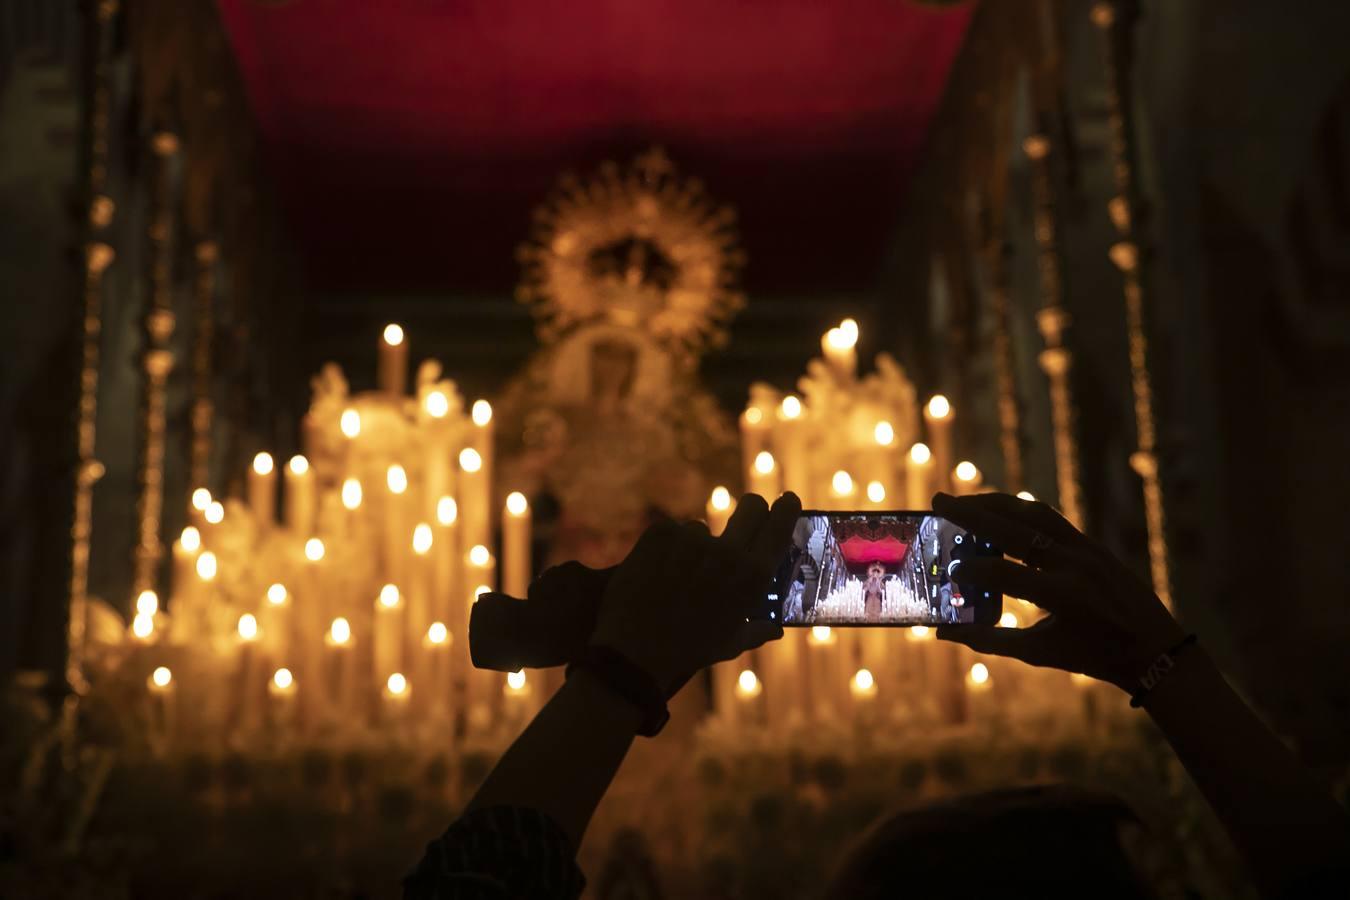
point(481, 696)
point(433, 673)
point(840, 348)
point(790, 440)
point(262, 489)
point(397, 695)
point(756, 435)
point(311, 617)
point(163, 708)
point(719, 510)
point(978, 678)
point(937, 413)
point(340, 669)
point(518, 700)
point(478, 523)
point(439, 454)
point(880, 465)
point(201, 499)
point(183, 601)
point(842, 491)
point(827, 670)
point(206, 569)
point(748, 694)
point(474, 512)
point(250, 674)
point(395, 523)
point(281, 689)
point(764, 476)
point(446, 591)
point(393, 361)
point(277, 622)
point(516, 545)
point(966, 478)
point(389, 631)
point(419, 585)
point(350, 423)
point(918, 478)
point(300, 497)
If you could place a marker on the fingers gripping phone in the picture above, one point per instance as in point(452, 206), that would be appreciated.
point(879, 568)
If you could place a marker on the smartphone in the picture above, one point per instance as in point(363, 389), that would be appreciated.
point(879, 568)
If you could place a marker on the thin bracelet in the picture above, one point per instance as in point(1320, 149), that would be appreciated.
point(1159, 669)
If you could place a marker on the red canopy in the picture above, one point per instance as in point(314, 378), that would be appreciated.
point(888, 550)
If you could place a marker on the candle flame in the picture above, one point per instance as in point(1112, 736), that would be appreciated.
point(481, 413)
point(147, 603)
point(764, 462)
point(421, 542)
point(397, 684)
point(516, 680)
point(979, 673)
point(298, 465)
point(876, 491)
point(919, 454)
point(842, 483)
point(314, 549)
point(340, 632)
point(263, 464)
point(447, 510)
point(201, 499)
point(393, 334)
point(884, 433)
point(820, 633)
point(841, 338)
point(389, 596)
point(143, 626)
point(849, 327)
point(720, 499)
point(214, 512)
point(966, 471)
point(479, 555)
point(396, 478)
point(283, 678)
point(161, 677)
point(206, 566)
point(1008, 620)
point(248, 626)
point(438, 633)
point(351, 493)
point(516, 504)
point(864, 680)
point(747, 683)
point(190, 539)
point(1026, 495)
point(939, 407)
point(1080, 679)
point(754, 415)
point(437, 404)
point(350, 423)
point(480, 591)
point(919, 632)
point(791, 407)
point(276, 594)
point(469, 460)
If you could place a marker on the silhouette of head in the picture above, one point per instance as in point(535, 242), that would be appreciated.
point(876, 570)
point(1048, 841)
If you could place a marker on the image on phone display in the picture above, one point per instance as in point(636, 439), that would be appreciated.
point(879, 568)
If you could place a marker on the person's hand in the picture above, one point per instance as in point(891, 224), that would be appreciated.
point(680, 600)
point(1103, 620)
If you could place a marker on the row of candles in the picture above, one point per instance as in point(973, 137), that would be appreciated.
point(384, 548)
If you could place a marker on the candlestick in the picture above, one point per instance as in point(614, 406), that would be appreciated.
point(719, 510)
point(516, 545)
point(393, 361)
point(937, 414)
point(300, 496)
point(262, 489)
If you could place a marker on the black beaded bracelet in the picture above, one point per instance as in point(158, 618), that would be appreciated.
point(630, 681)
point(1159, 669)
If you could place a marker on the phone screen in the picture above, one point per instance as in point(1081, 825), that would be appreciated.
point(879, 568)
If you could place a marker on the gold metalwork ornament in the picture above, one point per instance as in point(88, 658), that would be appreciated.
point(639, 248)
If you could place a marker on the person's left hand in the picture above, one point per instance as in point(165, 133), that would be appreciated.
point(681, 599)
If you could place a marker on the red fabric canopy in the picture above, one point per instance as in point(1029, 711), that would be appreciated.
point(888, 550)
point(411, 138)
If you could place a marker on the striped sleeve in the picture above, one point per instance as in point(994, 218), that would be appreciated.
point(497, 853)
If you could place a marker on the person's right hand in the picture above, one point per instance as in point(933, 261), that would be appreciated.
point(1103, 620)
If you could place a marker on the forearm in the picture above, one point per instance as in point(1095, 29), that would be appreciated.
point(563, 763)
point(1284, 822)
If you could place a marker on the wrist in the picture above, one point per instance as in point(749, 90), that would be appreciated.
point(1164, 673)
point(606, 702)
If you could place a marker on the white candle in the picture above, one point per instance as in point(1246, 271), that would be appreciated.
point(918, 478)
point(839, 346)
point(843, 491)
point(184, 602)
point(756, 436)
point(790, 441)
point(880, 462)
point(482, 440)
point(439, 454)
point(393, 361)
point(282, 691)
point(339, 667)
point(396, 548)
point(966, 478)
point(828, 674)
point(474, 512)
point(311, 620)
point(396, 696)
point(433, 672)
point(389, 631)
point(749, 693)
point(763, 478)
point(262, 489)
point(250, 675)
point(516, 545)
point(300, 496)
point(719, 510)
point(419, 614)
point(446, 552)
point(277, 623)
point(163, 695)
point(519, 701)
point(481, 697)
point(937, 414)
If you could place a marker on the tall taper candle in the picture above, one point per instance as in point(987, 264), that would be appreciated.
point(839, 346)
point(396, 523)
point(918, 477)
point(300, 497)
point(419, 582)
point(446, 560)
point(389, 632)
point(262, 489)
point(481, 439)
point(516, 545)
point(474, 512)
point(393, 362)
point(719, 510)
point(790, 442)
point(966, 478)
point(937, 414)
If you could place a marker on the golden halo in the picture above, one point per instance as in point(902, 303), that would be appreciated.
point(637, 247)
